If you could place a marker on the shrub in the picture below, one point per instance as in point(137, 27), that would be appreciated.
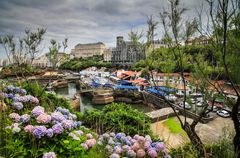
point(118, 117)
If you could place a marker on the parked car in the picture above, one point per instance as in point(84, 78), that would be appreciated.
point(187, 106)
point(223, 113)
point(199, 104)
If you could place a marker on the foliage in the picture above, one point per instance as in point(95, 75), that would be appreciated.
point(173, 126)
point(19, 71)
point(54, 56)
point(118, 117)
point(78, 64)
point(24, 50)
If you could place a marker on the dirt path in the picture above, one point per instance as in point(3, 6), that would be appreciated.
point(171, 140)
point(209, 133)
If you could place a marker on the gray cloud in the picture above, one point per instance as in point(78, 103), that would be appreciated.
point(82, 21)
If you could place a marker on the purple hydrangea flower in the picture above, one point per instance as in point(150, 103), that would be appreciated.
point(49, 155)
point(67, 124)
point(10, 95)
point(38, 110)
point(49, 132)
point(57, 116)
point(117, 144)
point(23, 91)
point(57, 128)
point(65, 111)
point(17, 89)
point(159, 146)
point(152, 152)
point(39, 131)
point(118, 136)
point(25, 118)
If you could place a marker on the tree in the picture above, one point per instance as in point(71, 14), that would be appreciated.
point(224, 18)
point(25, 48)
point(54, 56)
point(32, 41)
point(174, 32)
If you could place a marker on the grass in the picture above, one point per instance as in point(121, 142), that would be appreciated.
point(173, 126)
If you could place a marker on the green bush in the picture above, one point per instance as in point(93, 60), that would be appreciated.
point(118, 117)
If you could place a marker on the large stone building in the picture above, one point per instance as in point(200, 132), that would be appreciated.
point(125, 53)
point(41, 61)
point(107, 55)
point(88, 50)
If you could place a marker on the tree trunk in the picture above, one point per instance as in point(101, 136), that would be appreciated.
point(236, 122)
point(194, 138)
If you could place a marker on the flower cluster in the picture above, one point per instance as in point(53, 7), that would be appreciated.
point(55, 120)
point(14, 127)
point(49, 155)
point(13, 89)
point(119, 145)
point(18, 97)
point(89, 143)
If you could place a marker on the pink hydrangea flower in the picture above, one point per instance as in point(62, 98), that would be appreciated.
point(43, 118)
point(146, 145)
point(85, 146)
point(15, 116)
point(118, 150)
point(49, 155)
point(29, 128)
point(89, 136)
point(90, 142)
point(140, 153)
point(135, 146)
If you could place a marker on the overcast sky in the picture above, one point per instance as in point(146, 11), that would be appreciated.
point(81, 21)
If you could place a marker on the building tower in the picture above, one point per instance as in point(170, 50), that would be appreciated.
point(119, 41)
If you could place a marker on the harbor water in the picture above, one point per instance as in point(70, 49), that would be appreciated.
point(85, 102)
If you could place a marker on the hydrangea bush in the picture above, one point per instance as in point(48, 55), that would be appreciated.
point(37, 132)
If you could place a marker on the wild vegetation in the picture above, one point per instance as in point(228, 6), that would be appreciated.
point(78, 64)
